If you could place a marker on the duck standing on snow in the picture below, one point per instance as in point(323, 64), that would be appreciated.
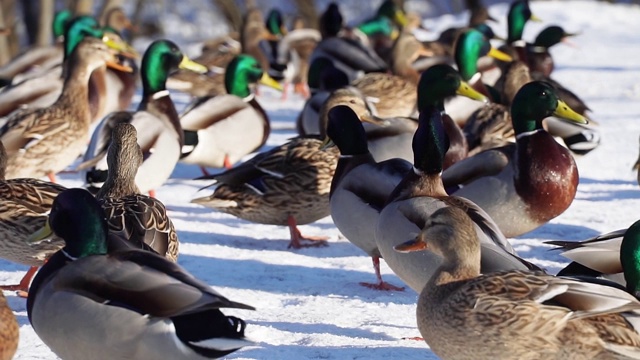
point(523, 185)
point(160, 135)
point(463, 314)
point(89, 302)
point(220, 130)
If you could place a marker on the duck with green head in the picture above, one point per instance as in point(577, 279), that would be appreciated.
point(220, 130)
point(97, 284)
point(466, 313)
point(160, 135)
point(348, 54)
point(421, 192)
point(523, 185)
point(538, 56)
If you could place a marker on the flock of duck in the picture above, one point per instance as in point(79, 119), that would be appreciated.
point(386, 147)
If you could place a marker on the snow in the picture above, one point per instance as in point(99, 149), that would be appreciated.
point(309, 304)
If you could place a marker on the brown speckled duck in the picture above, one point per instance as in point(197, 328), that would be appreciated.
point(9, 330)
point(463, 315)
point(523, 185)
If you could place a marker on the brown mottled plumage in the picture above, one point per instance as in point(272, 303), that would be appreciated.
point(287, 185)
point(47, 140)
point(391, 95)
point(9, 330)
point(513, 314)
point(131, 215)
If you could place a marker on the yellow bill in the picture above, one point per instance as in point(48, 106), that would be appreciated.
point(466, 90)
point(114, 42)
point(41, 235)
point(535, 18)
point(372, 119)
point(400, 18)
point(270, 82)
point(188, 64)
point(499, 55)
point(563, 111)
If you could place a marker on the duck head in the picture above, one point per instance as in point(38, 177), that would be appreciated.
point(245, 70)
point(440, 82)
point(331, 21)
point(160, 59)
point(390, 10)
point(470, 46)
point(550, 36)
point(60, 22)
point(275, 23)
point(630, 258)
point(519, 14)
point(345, 130)
point(534, 102)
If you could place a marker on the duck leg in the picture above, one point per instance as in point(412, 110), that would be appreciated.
point(285, 88)
point(302, 89)
point(381, 285)
point(226, 162)
point(297, 238)
point(23, 287)
point(152, 193)
point(52, 177)
point(204, 170)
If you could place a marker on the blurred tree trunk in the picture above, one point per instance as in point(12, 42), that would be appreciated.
point(231, 12)
point(307, 10)
point(45, 21)
point(81, 7)
point(9, 42)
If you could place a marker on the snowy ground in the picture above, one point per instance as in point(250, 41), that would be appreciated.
point(309, 303)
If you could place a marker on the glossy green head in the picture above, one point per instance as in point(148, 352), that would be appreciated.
point(159, 60)
point(486, 30)
point(469, 47)
point(77, 217)
point(379, 25)
point(274, 22)
point(346, 131)
point(77, 30)
point(630, 258)
point(430, 142)
point(242, 71)
point(551, 36)
point(536, 101)
point(60, 22)
point(331, 21)
point(440, 82)
point(519, 14)
point(390, 10)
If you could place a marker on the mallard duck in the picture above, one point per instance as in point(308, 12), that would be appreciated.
point(46, 141)
point(383, 28)
point(294, 51)
point(389, 95)
point(514, 314)
point(43, 89)
point(38, 56)
point(254, 32)
point(220, 130)
point(287, 185)
point(9, 330)
point(538, 57)
point(148, 306)
point(360, 186)
point(23, 209)
point(131, 215)
point(523, 185)
point(117, 20)
point(348, 54)
point(421, 192)
point(160, 134)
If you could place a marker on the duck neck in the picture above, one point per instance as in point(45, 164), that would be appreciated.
point(75, 91)
point(119, 183)
point(450, 272)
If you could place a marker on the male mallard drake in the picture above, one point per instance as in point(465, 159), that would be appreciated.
point(360, 186)
point(421, 192)
point(514, 314)
point(523, 185)
point(149, 306)
point(9, 330)
point(348, 54)
point(46, 141)
point(131, 215)
point(382, 29)
point(538, 57)
point(24, 204)
point(220, 130)
point(287, 185)
point(157, 122)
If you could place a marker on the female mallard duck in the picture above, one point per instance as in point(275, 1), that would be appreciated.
point(157, 122)
point(254, 32)
point(287, 185)
point(523, 185)
point(131, 215)
point(43, 89)
point(514, 314)
point(389, 95)
point(347, 54)
point(9, 330)
point(220, 130)
point(24, 206)
point(46, 141)
point(421, 192)
point(360, 186)
point(149, 306)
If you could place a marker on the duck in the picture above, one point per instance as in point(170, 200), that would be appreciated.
point(156, 120)
point(88, 289)
point(421, 192)
point(45, 141)
point(220, 130)
point(23, 209)
point(360, 186)
point(116, 20)
point(287, 185)
point(131, 215)
point(532, 314)
point(253, 34)
point(9, 330)
point(539, 59)
point(389, 95)
point(42, 89)
point(383, 28)
point(522, 185)
point(38, 56)
point(347, 53)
